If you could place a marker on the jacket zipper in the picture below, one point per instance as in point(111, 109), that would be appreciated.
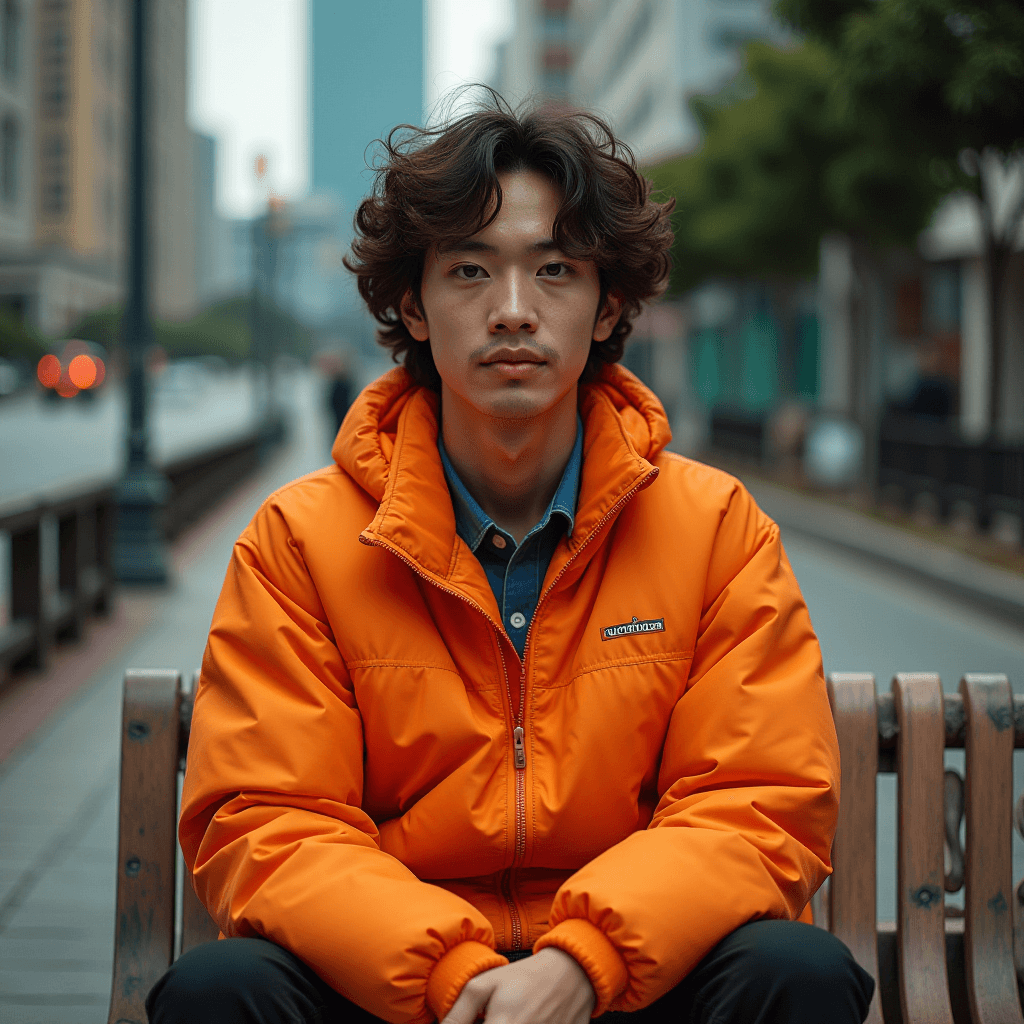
point(518, 732)
point(518, 741)
point(519, 735)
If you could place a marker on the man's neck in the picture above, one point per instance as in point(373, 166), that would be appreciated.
point(512, 467)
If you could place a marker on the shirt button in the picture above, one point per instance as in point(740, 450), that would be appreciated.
point(517, 620)
point(499, 542)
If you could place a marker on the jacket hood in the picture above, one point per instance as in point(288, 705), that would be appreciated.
point(366, 441)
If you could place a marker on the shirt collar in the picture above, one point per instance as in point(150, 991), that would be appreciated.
point(473, 524)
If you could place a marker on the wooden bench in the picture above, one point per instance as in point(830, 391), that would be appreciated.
point(934, 964)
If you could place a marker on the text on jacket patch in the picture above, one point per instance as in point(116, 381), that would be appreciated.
point(636, 626)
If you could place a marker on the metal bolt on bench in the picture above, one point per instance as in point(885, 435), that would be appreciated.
point(933, 965)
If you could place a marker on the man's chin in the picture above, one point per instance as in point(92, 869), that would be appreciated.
point(517, 404)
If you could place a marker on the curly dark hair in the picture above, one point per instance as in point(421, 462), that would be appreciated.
point(438, 186)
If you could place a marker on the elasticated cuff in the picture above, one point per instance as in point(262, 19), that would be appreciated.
point(454, 969)
point(593, 951)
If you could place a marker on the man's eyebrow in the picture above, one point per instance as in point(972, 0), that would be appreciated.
point(545, 245)
point(468, 245)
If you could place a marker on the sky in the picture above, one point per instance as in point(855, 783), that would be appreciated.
point(249, 84)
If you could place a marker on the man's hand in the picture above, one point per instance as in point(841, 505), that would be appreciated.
point(546, 988)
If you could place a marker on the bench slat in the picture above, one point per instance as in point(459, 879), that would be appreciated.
point(988, 879)
point(920, 920)
point(852, 888)
point(144, 927)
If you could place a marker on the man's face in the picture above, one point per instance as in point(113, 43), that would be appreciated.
point(508, 316)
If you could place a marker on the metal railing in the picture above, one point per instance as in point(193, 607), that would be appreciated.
point(918, 460)
point(58, 549)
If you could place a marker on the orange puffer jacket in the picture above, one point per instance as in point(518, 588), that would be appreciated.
point(378, 784)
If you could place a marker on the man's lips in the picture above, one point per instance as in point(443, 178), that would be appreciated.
point(513, 357)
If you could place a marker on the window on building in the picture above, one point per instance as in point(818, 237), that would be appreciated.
point(9, 158)
point(53, 177)
point(909, 308)
point(108, 208)
point(10, 37)
point(54, 57)
point(630, 42)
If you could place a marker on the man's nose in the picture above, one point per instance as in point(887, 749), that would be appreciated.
point(514, 309)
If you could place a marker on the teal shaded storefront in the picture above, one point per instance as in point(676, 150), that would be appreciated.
point(750, 365)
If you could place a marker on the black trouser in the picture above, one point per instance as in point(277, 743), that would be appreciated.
point(765, 972)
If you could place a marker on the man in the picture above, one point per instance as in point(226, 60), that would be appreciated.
point(510, 678)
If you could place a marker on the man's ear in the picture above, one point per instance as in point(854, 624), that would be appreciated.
point(413, 317)
point(608, 317)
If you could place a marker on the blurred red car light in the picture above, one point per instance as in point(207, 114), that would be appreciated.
point(48, 371)
point(82, 372)
point(66, 387)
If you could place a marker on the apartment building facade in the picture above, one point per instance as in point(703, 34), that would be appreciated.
point(16, 124)
point(535, 63)
point(637, 61)
point(64, 134)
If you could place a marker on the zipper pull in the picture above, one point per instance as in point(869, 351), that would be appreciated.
point(519, 746)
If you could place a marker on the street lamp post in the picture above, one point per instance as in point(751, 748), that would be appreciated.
point(267, 233)
point(139, 551)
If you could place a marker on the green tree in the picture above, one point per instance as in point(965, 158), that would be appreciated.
point(949, 76)
point(780, 163)
point(19, 342)
point(223, 329)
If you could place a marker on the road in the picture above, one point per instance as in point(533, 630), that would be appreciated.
point(872, 620)
point(65, 444)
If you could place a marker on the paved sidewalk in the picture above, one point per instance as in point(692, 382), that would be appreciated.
point(982, 584)
point(58, 790)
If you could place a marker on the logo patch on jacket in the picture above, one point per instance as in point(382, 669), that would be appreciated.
point(636, 626)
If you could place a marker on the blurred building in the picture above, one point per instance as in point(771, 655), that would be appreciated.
point(953, 248)
point(173, 162)
point(366, 78)
point(17, 141)
point(216, 276)
point(306, 263)
point(56, 256)
point(637, 61)
point(535, 62)
point(63, 159)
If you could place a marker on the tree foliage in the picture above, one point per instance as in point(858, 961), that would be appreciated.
point(950, 72)
point(782, 160)
point(223, 329)
point(946, 78)
point(19, 342)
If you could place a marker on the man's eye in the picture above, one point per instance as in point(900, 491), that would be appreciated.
point(554, 270)
point(469, 272)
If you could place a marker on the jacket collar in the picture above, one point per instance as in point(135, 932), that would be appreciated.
point(472, 523)
point(388, 446)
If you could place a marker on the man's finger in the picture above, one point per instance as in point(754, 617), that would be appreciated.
point(470, 1004)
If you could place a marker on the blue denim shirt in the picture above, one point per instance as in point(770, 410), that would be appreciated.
point(516, 574)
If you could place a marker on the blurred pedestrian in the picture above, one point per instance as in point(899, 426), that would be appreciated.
point(340, 390)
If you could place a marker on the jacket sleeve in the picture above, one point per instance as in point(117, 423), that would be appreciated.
point(748, 787)
point(271, 824)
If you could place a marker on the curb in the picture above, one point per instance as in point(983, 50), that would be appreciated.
point(958, 575)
